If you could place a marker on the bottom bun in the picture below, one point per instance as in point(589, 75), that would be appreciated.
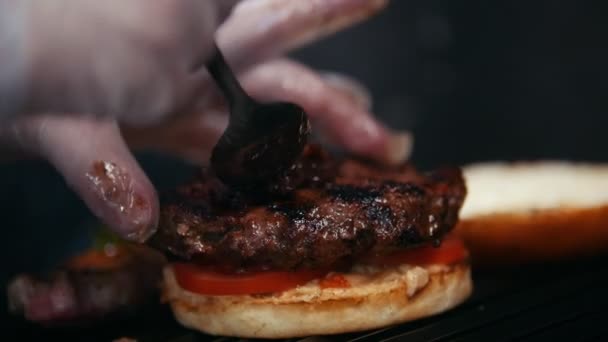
point(376, 298)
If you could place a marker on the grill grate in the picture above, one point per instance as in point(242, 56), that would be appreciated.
point(551, 302)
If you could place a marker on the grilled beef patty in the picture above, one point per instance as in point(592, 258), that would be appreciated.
point(326, 211)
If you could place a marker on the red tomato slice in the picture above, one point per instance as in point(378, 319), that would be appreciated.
point(207, 281)
point(451, 250)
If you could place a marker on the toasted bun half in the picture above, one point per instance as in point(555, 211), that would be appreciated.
point(534, 212)
point(374, 299)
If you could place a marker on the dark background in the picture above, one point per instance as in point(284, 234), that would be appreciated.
point(474, 80)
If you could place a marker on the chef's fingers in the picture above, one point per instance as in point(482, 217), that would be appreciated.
point(261, 29)
point(95, 162)
point(353, 89)
point(332, 107)
point(337, 105)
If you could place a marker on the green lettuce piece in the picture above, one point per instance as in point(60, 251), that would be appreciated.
point(104, 236)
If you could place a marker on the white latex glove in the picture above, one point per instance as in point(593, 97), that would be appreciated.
point(82, 74)
point(134, 60)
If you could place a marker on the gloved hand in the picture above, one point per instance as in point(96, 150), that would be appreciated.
point(135, 60)
point(83, 74)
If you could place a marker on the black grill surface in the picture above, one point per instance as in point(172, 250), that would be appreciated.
point(557, 302)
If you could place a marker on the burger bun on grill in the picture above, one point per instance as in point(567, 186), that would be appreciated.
point(524, 212)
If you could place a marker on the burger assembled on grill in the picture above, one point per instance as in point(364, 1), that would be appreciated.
point(336, 246)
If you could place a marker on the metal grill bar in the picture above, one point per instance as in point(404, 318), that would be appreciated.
point(543, 316)
point(489, 311)
point(576, 329)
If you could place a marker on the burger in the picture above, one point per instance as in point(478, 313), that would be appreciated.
point(336, 245)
